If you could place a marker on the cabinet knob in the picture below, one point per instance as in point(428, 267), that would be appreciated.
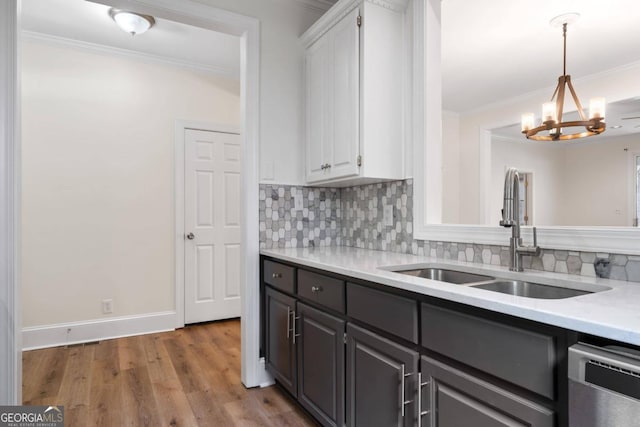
point(276, 275)
point(316, 289)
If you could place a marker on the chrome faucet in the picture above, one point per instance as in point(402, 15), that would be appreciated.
point(511, 218)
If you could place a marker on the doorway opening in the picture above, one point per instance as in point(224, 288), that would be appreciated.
point(246, 29)
point(208, 168)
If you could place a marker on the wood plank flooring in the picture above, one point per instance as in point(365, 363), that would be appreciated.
point(189, 377)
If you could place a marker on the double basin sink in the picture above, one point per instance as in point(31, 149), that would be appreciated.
point(519, 288)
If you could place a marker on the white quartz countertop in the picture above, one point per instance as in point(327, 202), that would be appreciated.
point(613, 313)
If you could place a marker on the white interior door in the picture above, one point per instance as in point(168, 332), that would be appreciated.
point(212, 225)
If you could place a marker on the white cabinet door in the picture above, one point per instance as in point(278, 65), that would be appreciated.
point(345, 101)
point(355, 96)
point(332, 102)
point(318, 119)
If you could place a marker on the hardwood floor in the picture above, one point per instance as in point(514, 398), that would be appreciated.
point(189, 377)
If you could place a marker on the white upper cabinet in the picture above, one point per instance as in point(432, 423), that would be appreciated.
point(354, 97)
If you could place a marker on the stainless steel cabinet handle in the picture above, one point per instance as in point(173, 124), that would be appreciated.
point(191, 236)
point(327, 166)
point(294, 326)
point(276, 275)
point(316, 289)
point(421, 413)
point(323, 167)
point(403, 375)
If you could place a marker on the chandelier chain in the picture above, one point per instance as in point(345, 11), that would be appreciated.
point(564, 55)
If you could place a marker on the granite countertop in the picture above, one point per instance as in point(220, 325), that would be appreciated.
point(613, 313)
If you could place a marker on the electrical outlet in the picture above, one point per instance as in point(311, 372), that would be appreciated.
point(388, 215)
point(107, 306)
point(297, 201)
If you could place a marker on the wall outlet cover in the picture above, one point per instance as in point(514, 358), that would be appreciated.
point(107, 306)
point(297, 201)
point(388, 215)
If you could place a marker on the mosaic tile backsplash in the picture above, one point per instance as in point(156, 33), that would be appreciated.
point(293, 216)
point(312, 221)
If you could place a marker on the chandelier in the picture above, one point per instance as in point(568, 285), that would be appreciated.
point(552, 127)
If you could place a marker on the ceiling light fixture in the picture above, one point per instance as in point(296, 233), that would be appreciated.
point(131, 22)
point(552, 127)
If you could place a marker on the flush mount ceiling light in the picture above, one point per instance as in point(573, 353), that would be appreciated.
point(552, 127)
point(131, 22)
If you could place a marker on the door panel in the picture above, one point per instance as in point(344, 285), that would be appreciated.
point(321, 365)
point(232, 271)
point(454, 398)
point(280, 353)
point(317, 117)
point(204, 199)
point(212, 214)
point(345, 39)
point(205, 267)
point(377, 370)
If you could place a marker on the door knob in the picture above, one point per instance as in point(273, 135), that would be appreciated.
point(191, 236)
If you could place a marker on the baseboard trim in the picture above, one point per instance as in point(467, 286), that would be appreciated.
point(36, 337)
point(266, 379)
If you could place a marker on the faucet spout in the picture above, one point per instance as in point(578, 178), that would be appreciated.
point(510, 202)
point(511, 219)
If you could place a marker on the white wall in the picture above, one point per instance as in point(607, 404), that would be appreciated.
point(98, 135)
point(546, 162)
point(451, 186)
point(597, 182)
point(615, 85)
point(281, 22)
point(580, 184)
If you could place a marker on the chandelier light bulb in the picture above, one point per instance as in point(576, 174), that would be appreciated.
point(528, 122)
point(597, 108)
point(549, 112)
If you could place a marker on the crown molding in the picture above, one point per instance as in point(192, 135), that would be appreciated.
point(130, 54)
point(315, 5)
point(342, 9)
point(326, 21)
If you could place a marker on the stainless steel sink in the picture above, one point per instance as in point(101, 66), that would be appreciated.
point(449, 276)
point(530, 290)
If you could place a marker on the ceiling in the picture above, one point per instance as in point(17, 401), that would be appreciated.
point(494, 50)
point(90, 22)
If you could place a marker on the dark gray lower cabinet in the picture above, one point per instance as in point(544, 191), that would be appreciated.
point(452, 398)
point(506, 374)
point(381, 381)
point(321, 365)
point(280, 354)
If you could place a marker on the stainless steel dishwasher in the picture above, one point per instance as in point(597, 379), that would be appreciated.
point(604, 386)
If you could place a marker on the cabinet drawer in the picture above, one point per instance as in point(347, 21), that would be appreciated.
point(321, 289)
point(391, 313)
point(521, 357)
point(278, 275)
